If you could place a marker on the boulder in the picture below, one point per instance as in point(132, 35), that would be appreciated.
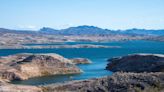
point(81, 61)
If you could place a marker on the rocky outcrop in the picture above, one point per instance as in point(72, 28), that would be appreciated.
point(24, 66)
point(137, 63)
point(119, 82)
point(81, 61)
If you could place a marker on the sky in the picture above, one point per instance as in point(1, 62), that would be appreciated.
point(60, 14)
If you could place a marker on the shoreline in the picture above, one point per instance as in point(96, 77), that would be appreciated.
point(64, 45)
point(148, 80)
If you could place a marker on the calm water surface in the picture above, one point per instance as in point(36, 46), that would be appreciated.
point(97, 55)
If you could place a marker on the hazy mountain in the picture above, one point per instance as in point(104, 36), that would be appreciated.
point(79, 30)
point(48, 30)
point(92, 30)
point(144, 32)
point(86, 30)
point(4, 30)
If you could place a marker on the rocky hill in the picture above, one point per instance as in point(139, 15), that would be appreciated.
point(137, 63)
point(24, 66)
point(119, 82)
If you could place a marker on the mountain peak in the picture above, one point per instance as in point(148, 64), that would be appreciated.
point(47, 29)
point(85, 27)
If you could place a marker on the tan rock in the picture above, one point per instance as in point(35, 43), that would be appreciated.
point(81, 61)
point(24, 66)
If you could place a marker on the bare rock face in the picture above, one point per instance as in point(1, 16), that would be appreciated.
point(137, 63)
point(24, 66)
point(119, 82)
point(81, 61)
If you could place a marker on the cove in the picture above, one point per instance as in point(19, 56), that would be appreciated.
point(98, 56)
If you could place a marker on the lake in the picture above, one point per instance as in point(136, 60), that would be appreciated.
point(98, 56)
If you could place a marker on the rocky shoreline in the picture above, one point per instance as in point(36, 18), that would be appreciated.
point(137, 63)
point(18, 46)
point(26, 65)
point(132, 78)
point(118, 82)
point(134, 73)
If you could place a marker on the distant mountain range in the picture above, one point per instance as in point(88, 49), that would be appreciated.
point(80, 30)
point(87, 30)
point(144, 32)
point(4, 30)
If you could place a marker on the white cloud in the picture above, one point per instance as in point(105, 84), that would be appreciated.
point(27, 27)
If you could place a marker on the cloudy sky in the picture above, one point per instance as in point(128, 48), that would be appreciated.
point(111, 14)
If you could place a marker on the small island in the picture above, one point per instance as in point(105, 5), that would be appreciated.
point(81, 61)
point(137, 63)
point(26, 65)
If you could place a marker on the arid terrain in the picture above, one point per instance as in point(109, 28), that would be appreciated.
point(17, 39)
point(129, 81)
point(131, 73)
point(81, 45)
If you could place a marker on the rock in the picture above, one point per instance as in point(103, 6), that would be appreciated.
point(137, 63)
point(19, 88)
point(119, 82)
point(81, 61)
point(6, 87)
point(24, 66)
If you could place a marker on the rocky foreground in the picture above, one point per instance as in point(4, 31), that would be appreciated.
point(118, 82)
point(140, 73)
point(147, 80)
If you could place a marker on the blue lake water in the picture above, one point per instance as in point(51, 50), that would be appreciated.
point(98, 56)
